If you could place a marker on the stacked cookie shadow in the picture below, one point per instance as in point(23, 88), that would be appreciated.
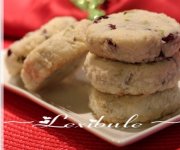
point(133, 66)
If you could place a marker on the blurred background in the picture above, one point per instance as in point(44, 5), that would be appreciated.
point(22, 16)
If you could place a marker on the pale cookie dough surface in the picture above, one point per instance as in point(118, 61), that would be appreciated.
point(116, 109)
point(58, 56)
point(19, 50)
point(134, 36)
point(122, 78)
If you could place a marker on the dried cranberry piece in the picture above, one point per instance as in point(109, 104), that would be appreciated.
point(9, 52)
point(112, 27)
point(111, 44)
point(168, 38)
point(99, 18)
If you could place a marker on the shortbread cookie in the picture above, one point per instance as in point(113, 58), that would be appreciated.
point(134, 36)
point(19, 50)
point(51, 61)
point(120, 78)
point(118, 109)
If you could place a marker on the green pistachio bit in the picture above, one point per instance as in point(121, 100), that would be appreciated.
point(94, 13)
point(145, 22)
point(162, 32)
point(126, 19)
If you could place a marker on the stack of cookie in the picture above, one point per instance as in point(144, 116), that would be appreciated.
point(133, 65)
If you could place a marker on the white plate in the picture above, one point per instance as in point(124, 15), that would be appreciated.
point(71, 98)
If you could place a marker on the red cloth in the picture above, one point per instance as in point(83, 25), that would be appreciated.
point(21, 16)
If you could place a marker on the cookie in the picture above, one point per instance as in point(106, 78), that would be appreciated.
point(54, 59)
point(134, 36)
point(120, 78)
point(118, 109)
point(19, 50)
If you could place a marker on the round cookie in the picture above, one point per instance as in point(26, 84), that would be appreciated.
point(19, 50)
point(120, 78)
point(118, 109)
point(134, 36)
point(55, 58)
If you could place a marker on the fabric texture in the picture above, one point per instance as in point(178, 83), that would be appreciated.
point(22, 16)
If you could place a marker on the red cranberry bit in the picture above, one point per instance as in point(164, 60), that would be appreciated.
point(9, 52)
point(97, 20)
point(168, 38)
point(110, 43)
point(112, 27)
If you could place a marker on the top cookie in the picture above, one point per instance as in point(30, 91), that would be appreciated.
point(134, 36)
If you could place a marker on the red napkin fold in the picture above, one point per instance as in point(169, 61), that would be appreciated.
point(21, 16)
